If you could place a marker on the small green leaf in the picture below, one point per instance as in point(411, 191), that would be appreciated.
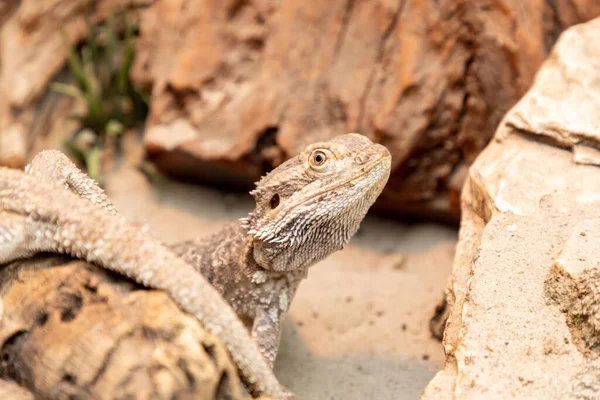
point(111, 44)
point(75, 65)
point(92, 163)
point(68, 90)
point(145, 96)
point(85, 139)
point(92, 33)
point(115, 128)
point(155, 177)
point(75, 151)
point(123, 77)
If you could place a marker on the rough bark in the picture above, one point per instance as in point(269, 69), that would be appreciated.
point(238, 86)
point(35, 36)
point(10, 390)
point(71, 330)
point(524, 319)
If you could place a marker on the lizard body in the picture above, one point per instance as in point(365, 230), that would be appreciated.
point(307, 208)
point(260, 298)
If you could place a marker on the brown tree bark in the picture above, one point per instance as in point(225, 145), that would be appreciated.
point(11, 391)
point(72, 330)
point(238, 86)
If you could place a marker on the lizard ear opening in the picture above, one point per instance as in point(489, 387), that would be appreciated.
point(274, 202)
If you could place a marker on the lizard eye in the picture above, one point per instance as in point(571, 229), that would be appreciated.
point(319, 158)
point(274, 202)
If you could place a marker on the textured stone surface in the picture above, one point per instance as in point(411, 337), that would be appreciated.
point(524, 310)
point(238, 86)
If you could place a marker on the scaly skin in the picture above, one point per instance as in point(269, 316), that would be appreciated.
point(38, 215)
point(52, 165)
point(304, 212)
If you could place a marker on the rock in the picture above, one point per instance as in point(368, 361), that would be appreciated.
point(34, 41)
point(437, 322)
point(524, 294)
point(72, 330)
point(239, 86)
point(574, 286)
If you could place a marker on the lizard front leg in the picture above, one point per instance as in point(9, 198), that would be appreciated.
point(266, 331)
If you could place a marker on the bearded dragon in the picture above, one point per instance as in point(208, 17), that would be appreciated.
point(307, 208)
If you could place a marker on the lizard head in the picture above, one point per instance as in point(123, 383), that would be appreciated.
point(312, 204)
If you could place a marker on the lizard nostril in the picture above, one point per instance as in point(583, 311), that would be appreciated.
point(274, 201)
point(359, 159)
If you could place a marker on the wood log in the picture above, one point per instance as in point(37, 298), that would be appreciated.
point(11, 390)
point(70, 330)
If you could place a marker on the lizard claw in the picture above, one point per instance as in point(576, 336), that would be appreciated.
point(281, 394)
point(285, 394)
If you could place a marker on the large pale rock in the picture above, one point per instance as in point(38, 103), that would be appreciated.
point(524, 296)
point(239, 86)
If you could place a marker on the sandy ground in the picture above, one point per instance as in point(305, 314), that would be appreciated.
point(358, 327)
